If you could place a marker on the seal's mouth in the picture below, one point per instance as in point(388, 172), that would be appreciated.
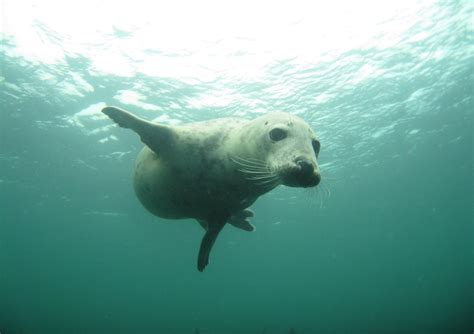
point(303, 173)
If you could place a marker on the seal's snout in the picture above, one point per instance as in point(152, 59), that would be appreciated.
point(317, 179)
point(306, 167)
point(308, 173)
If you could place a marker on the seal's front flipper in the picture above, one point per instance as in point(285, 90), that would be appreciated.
point(207, 242)
point(155, 136)
point(240, 220)
point(122, 117)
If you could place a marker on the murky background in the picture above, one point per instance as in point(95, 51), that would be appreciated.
point(383, 245)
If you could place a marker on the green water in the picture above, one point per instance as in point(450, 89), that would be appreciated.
point(383, 245)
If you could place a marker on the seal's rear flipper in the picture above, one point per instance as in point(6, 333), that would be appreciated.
point(203, 223)
point(207, 242)
point(240, 220)
point(157, 137)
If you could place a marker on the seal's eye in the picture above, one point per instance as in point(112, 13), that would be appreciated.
point(316, 146)
point(277, 134)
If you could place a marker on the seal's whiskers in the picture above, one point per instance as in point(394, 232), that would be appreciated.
point(249, 162)
point(270, 183)
point(262, 177)
point(321, 193)
point(253, 171)
point(326, 190)
point(258, 171)
point(267, 180)
point(255, 160)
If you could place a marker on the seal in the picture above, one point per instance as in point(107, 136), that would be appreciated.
point(214, 170)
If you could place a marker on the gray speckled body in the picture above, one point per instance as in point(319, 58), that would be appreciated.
point(213, 171)
point(194, 177)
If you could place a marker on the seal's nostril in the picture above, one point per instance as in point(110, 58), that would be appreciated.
point(306, 166)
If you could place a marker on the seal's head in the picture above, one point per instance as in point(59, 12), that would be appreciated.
point(286, 153)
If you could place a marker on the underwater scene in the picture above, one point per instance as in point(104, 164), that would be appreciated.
point(224, 167)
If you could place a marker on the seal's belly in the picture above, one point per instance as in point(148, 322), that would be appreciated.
point(176, 192)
